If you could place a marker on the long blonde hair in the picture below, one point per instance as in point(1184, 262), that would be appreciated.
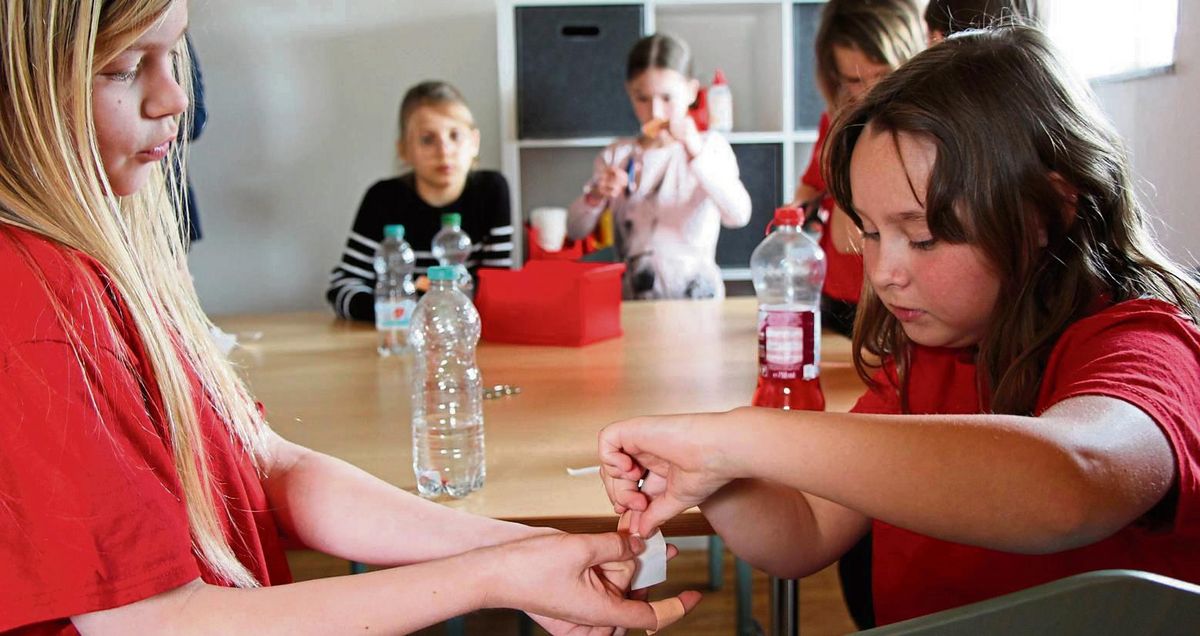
point(52, 183)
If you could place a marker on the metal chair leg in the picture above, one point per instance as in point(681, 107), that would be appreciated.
point(716, 562)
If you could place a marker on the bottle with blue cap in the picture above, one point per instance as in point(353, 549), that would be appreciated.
point(395, 291)
point(452, 247)
point(447, 400)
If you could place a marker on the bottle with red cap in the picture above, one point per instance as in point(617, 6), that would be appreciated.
point(788, 269)
point(720, 104)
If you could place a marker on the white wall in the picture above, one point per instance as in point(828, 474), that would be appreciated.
point(1158, 118)
point(302, 100)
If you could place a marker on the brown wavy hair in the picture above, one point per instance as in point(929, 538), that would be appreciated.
point(1022, 149)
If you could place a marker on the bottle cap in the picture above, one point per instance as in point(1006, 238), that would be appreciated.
point(452, 218)
point(786, 216)
point(719, 78)
point(442, 272)
point(393, 231)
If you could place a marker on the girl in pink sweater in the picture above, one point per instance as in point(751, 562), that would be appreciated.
point(670, 189)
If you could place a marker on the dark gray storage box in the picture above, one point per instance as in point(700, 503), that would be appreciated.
point(571, 70)
point(761, 170)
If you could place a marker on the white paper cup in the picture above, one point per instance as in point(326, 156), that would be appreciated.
point(551, 226)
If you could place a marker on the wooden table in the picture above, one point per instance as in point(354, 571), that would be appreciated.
point(325, 387)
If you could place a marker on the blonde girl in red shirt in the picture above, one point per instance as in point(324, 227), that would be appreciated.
point(1037, 410)
point(141, 490)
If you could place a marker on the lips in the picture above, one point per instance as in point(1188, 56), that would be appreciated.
point(905, 314)
point(158, 151)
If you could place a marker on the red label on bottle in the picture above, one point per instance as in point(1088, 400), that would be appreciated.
point(789, 344)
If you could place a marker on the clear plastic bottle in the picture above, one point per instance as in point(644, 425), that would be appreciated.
point(788, 269)
point(720, 104)
point(395, 292)
point(452, 247)
point(447, 401)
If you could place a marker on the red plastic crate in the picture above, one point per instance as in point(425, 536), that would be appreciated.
point(556, 303)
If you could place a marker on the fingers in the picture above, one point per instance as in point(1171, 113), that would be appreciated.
point(610, 546)
point(660, 511)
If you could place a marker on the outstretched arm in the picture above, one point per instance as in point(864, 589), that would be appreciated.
point(1096, 464)
point(561, 576)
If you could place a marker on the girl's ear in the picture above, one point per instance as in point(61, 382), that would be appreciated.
point(693, 90)
point(1069, 195)
point(400, 151)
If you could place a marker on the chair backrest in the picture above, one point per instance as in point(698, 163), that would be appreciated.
point(1104, 602)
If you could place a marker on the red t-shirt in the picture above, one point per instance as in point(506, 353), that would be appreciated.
point(843, 272)
point(91, 514)
point(1142, 352)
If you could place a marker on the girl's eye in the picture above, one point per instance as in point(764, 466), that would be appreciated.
point(923, 245)
point(870, 236)
point(454, 135)
point(123, 76)
point(426, 139)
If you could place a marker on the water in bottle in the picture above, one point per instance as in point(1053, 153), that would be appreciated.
point(788, 269)
point(452, 247)
point(447, 402)
point(395, 292)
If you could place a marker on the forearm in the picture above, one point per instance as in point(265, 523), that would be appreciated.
point(989, 480)
point(717, 174)
point(784, 537)
point(395, 601)
point(582, 215)
point(332, 506)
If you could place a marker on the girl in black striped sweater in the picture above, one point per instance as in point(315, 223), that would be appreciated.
point(439, 140)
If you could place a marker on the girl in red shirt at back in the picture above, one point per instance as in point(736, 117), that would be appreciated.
point(141, 490)
point(858, 43)
point(1037, 410)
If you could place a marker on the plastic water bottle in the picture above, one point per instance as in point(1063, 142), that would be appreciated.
point(447, 402)
point(395, 292)
point(720, 104)
point(452, 247)
point(788, 269)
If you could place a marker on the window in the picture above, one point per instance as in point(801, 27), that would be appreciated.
point(1105, 38)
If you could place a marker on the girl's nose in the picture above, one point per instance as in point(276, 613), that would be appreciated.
point(885, 267)
point(166, 98)
point(658, 109)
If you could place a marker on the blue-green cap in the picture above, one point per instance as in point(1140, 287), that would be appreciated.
point(443, 272)
point(393, 231)
point(452, 218)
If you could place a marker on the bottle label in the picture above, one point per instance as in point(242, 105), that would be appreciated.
point(789, 344)
point(394, 315)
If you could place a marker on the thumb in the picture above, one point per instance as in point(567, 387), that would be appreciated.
point(611, 546)
point(661, 510)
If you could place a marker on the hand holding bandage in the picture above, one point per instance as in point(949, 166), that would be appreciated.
point(684, 459)
point(581, 580)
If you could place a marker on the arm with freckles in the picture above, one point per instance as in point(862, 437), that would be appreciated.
point(1076, 474)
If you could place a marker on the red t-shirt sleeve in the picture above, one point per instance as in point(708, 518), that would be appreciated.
point(812, 176)
point(1144, 353)
point(90, 509)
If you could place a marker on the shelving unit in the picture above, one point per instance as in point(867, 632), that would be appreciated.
point(765, 49)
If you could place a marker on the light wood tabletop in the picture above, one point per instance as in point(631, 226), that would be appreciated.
point(324, 386)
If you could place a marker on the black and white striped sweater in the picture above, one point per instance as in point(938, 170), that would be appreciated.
point(484, 206)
